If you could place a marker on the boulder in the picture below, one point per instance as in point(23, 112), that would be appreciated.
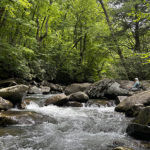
point(140, 126)
point(143, 117)
point(119, 99)
point(14, 94)
point(106, 88)
point(145, 85)
point(139, 99)
point(45, 83)
point(56, 87)
point(59, 100)
point(99, 103)
point(139, 131)
point(45, 89)
point(34, 90)
point(74, 104)
point(79, 97)
point(146, 144)
point(5, 104)
point(125, 84)
point(76, 87)
point(134, 110)
point(122, 148)
point(7, 83)
point(22, 117)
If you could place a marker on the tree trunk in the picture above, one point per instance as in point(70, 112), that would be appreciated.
point(137, 35)
point(81, 47)
point(39, 36)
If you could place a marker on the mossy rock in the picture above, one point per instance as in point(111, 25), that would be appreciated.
point(23, 117)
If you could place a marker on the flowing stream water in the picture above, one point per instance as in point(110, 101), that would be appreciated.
point(86, 128)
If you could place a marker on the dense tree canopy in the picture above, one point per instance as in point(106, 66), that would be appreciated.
point(74, 40)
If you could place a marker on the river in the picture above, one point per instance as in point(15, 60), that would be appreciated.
point(86, 128)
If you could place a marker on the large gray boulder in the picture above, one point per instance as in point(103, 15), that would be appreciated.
point(14, 94)
point(59, 100)
point(76, 87)
point(5, 104)
point(23, 117)
point(79, 97)
point(140, 127)
point(106, 88)
point(140, 99)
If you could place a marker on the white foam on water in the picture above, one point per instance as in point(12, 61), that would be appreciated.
point(55, 111)
point(66, 111)
point(89, 128)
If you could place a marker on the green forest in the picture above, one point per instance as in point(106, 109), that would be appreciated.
point(68, 41)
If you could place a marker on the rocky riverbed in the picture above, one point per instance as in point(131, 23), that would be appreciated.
point(76, 120)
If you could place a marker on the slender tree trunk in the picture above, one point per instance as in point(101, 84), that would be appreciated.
point(137, 38)
point(2, 10)
point(39, 36)
point(114, 39)
point(81, 47)
point(84, 42)
point(137, 34)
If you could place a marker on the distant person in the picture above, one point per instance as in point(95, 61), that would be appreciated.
point(136, 85)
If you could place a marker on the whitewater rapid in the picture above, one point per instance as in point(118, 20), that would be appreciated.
point(86, 128)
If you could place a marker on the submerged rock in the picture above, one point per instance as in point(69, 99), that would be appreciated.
point(106, 88)
point(140, 99)
point(14, 94)
point(23, 117)
point(5, 104)
point(59, 100)
point(79, 97)
point(76, 87)
point(140, 127)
